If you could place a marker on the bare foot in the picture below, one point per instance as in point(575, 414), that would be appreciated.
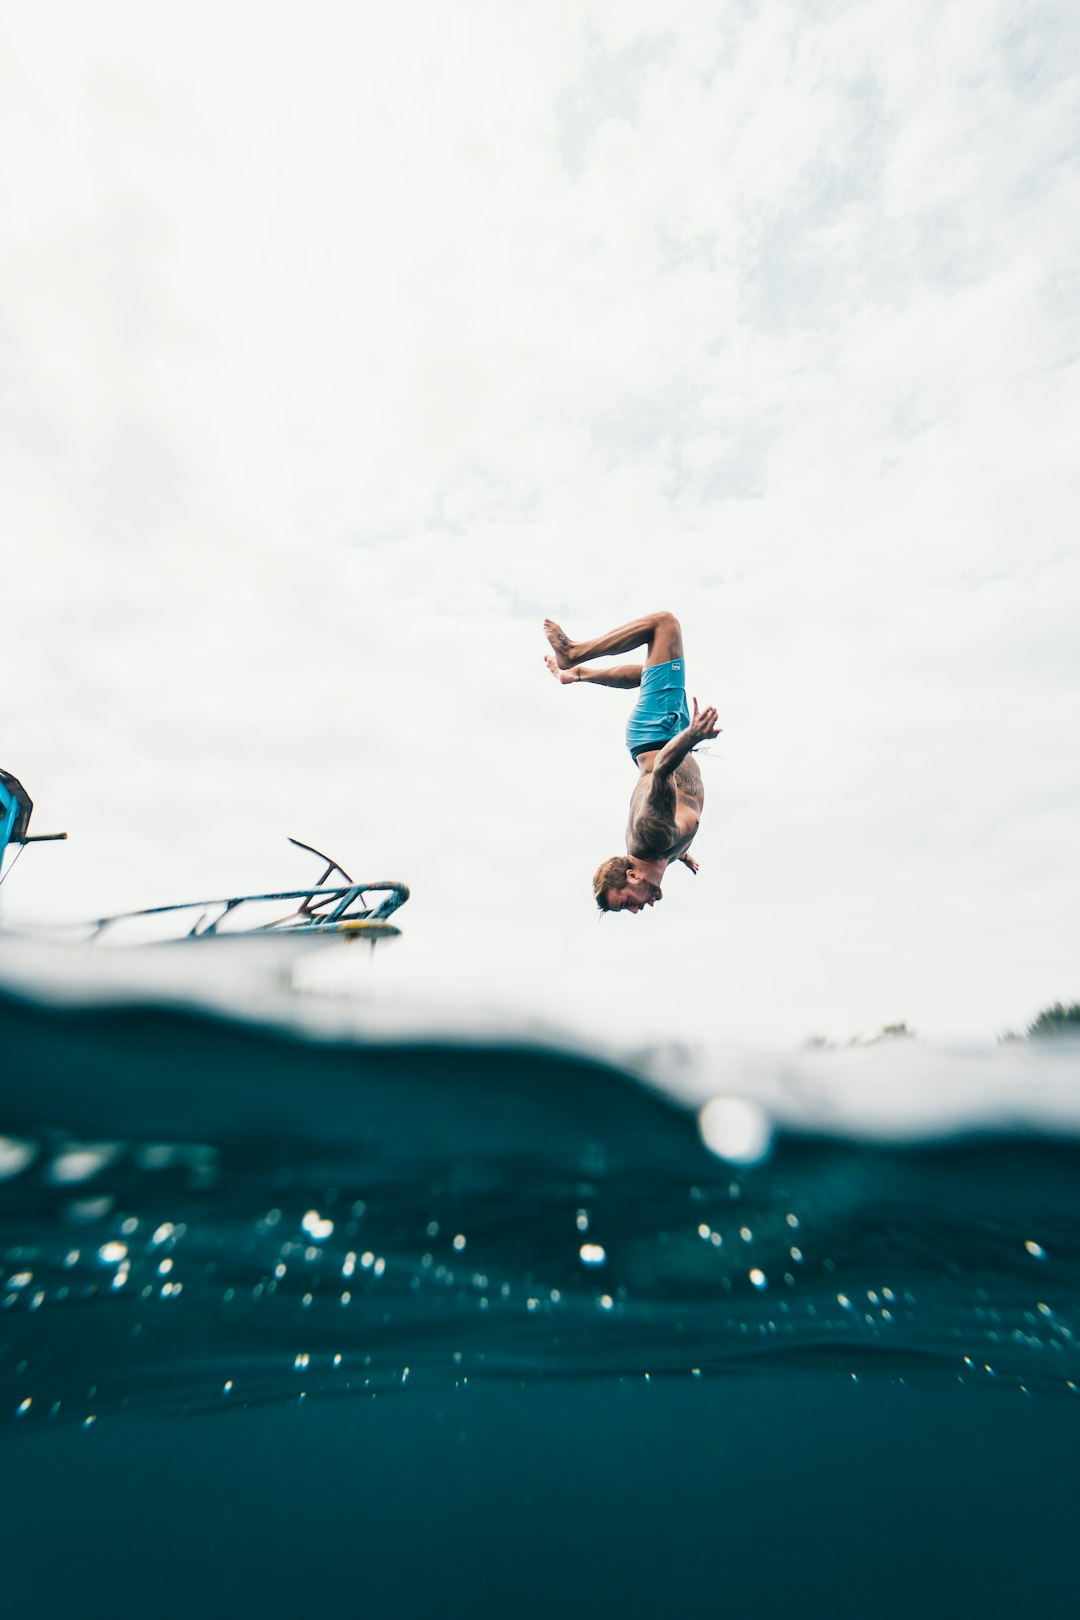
point(565, 676)
point(561, 645)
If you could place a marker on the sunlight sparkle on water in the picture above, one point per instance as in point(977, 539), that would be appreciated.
point(14, 1156)
point(80, 1163)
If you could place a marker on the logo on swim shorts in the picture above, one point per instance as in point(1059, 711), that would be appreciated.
point(676, 666)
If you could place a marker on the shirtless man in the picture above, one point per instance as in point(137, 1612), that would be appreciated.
point(667, 801)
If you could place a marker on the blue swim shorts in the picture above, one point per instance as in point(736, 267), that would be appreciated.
point(661, 710)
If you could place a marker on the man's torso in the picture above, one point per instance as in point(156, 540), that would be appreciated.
point(662, 825)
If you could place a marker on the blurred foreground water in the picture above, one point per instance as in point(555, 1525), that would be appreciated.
point(305, 1311)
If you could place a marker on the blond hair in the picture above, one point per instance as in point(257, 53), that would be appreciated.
point(610, 875)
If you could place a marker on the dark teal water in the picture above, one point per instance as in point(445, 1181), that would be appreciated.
point(402, 1329)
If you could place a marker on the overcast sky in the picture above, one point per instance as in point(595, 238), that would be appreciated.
point(342, 345)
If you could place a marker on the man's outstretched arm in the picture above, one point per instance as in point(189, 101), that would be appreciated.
point(702, 727)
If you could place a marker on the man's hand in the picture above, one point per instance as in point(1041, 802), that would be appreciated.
point(703, 726)
point(688, 860)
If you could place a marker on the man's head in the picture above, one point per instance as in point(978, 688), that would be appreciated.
point(619, 886)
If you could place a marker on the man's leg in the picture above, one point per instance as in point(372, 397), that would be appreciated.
point(617, 675)
point(660, 632)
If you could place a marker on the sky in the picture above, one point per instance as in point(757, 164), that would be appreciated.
point(339, 348)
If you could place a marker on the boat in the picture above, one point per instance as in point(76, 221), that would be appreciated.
point(343, 909)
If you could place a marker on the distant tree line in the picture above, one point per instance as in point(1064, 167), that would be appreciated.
point(889, 1032)
point(1051, 1024)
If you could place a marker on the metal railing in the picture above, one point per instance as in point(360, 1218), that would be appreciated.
point(321, 910)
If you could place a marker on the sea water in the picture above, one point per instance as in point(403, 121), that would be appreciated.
point(393, 1323)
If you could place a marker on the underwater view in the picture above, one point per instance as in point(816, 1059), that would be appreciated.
point(441, 1325)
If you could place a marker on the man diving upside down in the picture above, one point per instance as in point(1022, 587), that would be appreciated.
point(668, 797)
